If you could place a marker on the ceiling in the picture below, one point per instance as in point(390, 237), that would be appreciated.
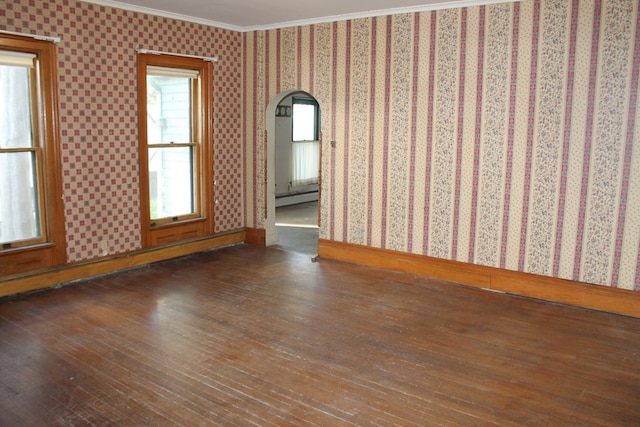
point(247, 15)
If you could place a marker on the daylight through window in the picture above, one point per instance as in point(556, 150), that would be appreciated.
point(171, 142)
point(20, 151)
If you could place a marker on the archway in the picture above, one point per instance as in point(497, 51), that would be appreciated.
point(271, 231)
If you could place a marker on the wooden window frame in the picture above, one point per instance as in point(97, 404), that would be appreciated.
point(50, 249)
point(165, 231)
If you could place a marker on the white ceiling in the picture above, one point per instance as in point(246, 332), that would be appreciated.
point(246, 15)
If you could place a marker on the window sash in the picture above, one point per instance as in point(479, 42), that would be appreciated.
point(178, 120)
point(168, 192)
point(169, 200)
point(24, 217)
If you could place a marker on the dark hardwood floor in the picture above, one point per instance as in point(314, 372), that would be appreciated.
point(254, 336)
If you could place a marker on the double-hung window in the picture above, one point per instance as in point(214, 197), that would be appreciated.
point(31, 217)
point(175, 147)
point(305, 152)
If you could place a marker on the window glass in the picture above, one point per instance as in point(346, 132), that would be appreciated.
point(171, 186)
point(15, 107)
point(304, 121)
point(19, 203)
point(19, 219)
point(169, 110)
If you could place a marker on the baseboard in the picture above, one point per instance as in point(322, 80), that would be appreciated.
point(256, 236)
point(295, 199)
point(63, 274)
point(612, 300)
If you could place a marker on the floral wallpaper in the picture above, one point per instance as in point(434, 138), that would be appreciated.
point(502, 135)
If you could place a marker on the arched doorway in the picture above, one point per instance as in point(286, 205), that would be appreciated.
point(287, 191)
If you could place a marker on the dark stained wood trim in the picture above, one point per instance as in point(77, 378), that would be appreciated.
point(256, 236)
point(612, 300)
point(50, 277)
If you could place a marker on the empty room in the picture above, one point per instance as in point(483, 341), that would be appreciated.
point(469, 174)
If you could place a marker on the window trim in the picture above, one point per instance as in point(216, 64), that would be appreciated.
point(167, 230)
point(50, 250)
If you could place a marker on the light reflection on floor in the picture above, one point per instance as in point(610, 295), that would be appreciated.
point(298, 228)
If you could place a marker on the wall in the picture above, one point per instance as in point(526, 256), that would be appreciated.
point(98, 118)
point(503, 135)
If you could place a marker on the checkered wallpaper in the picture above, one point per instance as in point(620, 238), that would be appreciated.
point(98, 121)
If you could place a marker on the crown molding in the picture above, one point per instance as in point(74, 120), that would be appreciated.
point(376, 13)
point(321, 20)
point(165, 14)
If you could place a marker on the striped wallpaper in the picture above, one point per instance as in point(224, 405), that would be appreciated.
point(503, 135)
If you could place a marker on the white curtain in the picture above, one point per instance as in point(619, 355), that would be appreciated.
point(305, 163)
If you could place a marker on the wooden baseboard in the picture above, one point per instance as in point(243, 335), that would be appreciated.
point(71, 272)
point(612, 300)
point(256, 236)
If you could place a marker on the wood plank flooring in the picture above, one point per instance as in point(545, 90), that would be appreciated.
point(248, 335)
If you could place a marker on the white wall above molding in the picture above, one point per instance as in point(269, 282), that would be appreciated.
point(254, 15)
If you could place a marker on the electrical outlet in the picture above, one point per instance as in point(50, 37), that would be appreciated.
point(104, 247)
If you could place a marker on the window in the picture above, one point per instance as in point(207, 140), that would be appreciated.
point(305, 120)
point(31, 225)
point(19, 151)
point(175, 147)
point(305, 152)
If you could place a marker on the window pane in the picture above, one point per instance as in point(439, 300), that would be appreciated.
point(15, 108)
point(19, 214)
point(171, 187)
point(304, 122)
point(168, 110)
